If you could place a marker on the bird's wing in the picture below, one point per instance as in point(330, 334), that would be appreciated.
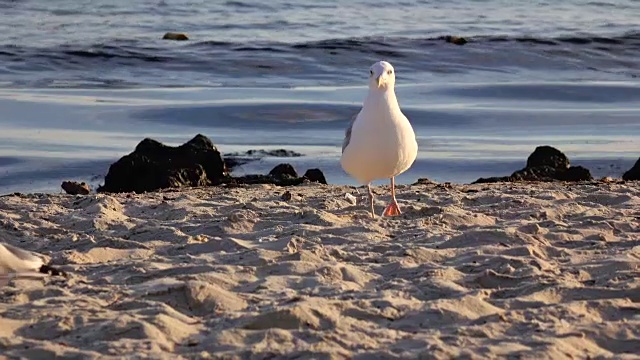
point(347, 133)
point(18, 260)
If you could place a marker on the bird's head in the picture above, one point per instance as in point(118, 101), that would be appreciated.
point(381, 75)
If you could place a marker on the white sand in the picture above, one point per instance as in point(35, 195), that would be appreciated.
point(533, 271)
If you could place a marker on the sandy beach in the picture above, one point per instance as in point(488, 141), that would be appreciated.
point(537, 270)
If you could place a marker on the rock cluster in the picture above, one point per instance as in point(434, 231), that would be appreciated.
point(546, 163)
point(154, 166)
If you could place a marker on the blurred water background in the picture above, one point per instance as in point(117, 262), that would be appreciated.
point(82, 82)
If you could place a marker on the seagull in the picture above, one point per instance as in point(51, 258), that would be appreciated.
point(379, 142)
point(19, 263)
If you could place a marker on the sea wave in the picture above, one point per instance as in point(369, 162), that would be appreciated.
point(135, 62)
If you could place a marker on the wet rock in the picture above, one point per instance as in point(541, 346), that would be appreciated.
point(457, 40)
point(283, 171)
point(175, 36)
point(240, 158)
point(424, 181)
point(546, 163)
point(575, 173)
point(75, 188)
point(548, 156)
point(315, 175)
point(534, 174)
point(153, 166)
point(493, 179)
point(281, 175)
point(633, 173)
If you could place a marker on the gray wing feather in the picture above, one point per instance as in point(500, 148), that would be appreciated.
point(347, 133)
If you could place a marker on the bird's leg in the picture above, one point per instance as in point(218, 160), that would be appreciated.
point(373, 214)
point(392, 209)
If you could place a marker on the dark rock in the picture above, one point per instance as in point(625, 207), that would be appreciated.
point(539, 173)
point(546, 163)
point(548, 156)
point(281, 175)
point(575, 173)
point(75, 188)
point(424, 181)
point(315, 175)
point(633, 173)
point(457, 40)
point(283, 171)
point(153, 166)
point(494, 179)
point(175, 36)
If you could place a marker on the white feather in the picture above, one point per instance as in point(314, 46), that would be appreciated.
point(18, 263)
point(381, 142)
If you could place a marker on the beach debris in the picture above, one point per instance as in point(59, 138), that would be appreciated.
point(286, 196)
point(546, 163)
point(175, 36)
point(153, 166)
point(75, 188)
point(633, 173)
point(350, 198)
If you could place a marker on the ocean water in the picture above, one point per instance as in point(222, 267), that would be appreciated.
point(82, 82)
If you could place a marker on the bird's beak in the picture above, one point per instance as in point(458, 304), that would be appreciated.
point(380, 80)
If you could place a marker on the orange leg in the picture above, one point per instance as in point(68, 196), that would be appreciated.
point(393, 209)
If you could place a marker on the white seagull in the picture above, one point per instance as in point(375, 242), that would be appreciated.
point(380, 142)
point(19, 263)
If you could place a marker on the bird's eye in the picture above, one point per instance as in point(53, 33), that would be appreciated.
point(371, 72)
point(389, 72)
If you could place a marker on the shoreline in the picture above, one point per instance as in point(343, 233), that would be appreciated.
point(484, 270)
point(198, 162)
point(377, 184)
